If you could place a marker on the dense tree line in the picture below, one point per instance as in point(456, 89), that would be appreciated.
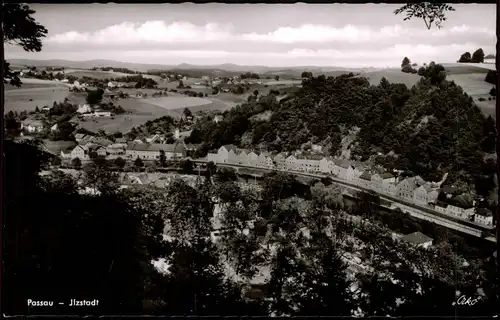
point(476, 57)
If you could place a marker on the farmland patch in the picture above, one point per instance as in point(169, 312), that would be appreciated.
point(177, 102)
point(29, 98)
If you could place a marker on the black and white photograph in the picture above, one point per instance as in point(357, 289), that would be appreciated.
point(249, 159)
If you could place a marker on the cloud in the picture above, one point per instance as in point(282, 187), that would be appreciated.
point(158, 33)
point(150, 31)
point(360, 34)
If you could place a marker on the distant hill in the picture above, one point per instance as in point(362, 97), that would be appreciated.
point(490, 56)
point(143, 67)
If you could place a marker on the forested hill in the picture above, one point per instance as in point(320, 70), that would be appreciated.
point(432, 128)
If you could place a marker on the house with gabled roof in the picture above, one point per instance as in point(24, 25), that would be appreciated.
point(343, 169)
point(326, 165)
point(406, 188)
point(483, 216)
point(280, 161)
point(152, 151)
point(425, 194)
point(461, 206)
point(381, 180)
point(365, 180)
point(291, 163)
point(418, 239)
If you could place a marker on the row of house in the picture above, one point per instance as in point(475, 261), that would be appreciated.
point(411, 189)
point(129, 150)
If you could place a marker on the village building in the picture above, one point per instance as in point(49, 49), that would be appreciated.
point(151, 151)
point(116, 150)
point(419, 239)
point(84, 108)
point(406, 188)
point(381, 181)
point(340, 168)
point(461, 206)
point(102, 113)
point(32, 126)
point(483, 216)
point(425, 194)
point(365, 179)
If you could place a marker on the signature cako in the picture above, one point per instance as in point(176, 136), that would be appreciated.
point(467, 301)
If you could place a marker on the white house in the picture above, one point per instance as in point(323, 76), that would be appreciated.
point(84, 108)
point(291, 163)
point(440, 207)
point(32, 126)
point(280, 161)
point(102, 113)
point(425, 194)
point(483, 216)
point(152, 151)
point(419, 239)
point(253, 159)
point(80, 152)
point(406, 188)
point(326, 165)
point(381, 180)
point(341, 168)
point(365, 180)
point(460, 211)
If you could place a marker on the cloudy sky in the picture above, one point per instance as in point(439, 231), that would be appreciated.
point(274, 35)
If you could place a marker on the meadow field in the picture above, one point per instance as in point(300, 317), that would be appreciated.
point(33, 93)
point(476, 87)
point(95, 74)
point(177, 102)
point(141, 110)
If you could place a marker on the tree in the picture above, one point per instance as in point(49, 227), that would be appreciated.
point(187, 112)
point(466, 57)
point(491, 77)
point(431, 13)
point(20, 28)
point(421, 71)
point(94, 96)
point(138, 163)
point(76, 163)
point(477, 56)
point(120, 162)
point(405, 62)
point(493, 91)
point(67, 228)
point(163, 158)
point(277, 78)
point(186, 166)
point(306, 75)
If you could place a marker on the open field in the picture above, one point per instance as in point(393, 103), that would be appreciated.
point(177, 102)
point(57, 146)
point(392, 75)
point(460, 68)
point(96, 74)
point(282, 82)
point(476, 87)
point(33, 93)
point(141, 110)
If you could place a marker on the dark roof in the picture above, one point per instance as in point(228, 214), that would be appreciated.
point(101, 141)
point(386, 175)
point(176, 147)
point(230, 147)
point(121, 140)
point(448, 189)
point(365, 175)
point(484, 212)
point(417, 237)
point(342, 163)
